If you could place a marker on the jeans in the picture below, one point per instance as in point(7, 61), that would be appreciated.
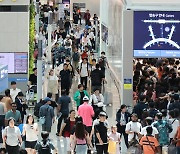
point(66, 141)
point(102, 149)
point(46, 128)
point(81, 149)
point(63, 116)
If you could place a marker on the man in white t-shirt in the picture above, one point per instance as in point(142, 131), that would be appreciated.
point(84, 71)
point(133, 127)
point(14, 90)
point(149, 121)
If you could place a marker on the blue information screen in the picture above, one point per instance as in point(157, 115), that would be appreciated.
point(157, 34)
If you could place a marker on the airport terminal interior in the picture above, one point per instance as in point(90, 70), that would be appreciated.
point(89, 77)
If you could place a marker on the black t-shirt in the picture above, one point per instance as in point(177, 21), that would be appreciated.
point(33, 79)
point(96, 77)
point(82, 96)
point(101, 128)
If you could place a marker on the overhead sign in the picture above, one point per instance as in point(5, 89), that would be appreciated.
point(156, 34)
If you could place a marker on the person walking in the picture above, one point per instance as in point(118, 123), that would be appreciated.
point(52, 84)
point(101, 138)
point(66, 130)
point(13, 113)
point(14, 90)
point(86, 112)
point(65, 78)
point(45, 145)
point(47, 112)
point(79, 95)
point(87, 17)
point(75, 59)
point(122, 118)
point(7, 100)
point(81, 139)
point(12, 137)
point(30, 131)
point(84, 71)
point(62, 109)
point(97, 77)
point(21, 105)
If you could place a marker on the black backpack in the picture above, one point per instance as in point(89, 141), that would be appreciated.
point(44, 148)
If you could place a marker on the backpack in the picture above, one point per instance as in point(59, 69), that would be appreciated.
point(76, 56)
point(164, 130)
point(102, 62)
point(44, 148)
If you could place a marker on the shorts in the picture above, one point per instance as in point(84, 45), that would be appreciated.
point(30, 144)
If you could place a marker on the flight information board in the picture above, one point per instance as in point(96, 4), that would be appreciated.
point(157, 34)
point(17, 62)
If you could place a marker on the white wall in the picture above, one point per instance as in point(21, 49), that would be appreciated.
point(14, 30)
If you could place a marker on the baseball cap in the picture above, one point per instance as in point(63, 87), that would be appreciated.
point(47, 99)
point(85, 98)
point(102, 114)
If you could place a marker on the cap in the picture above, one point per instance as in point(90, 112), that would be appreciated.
point(67, 35)
point(47, 99)
point(20, 94)
point(85, 98)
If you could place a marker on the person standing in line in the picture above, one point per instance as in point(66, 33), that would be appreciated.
point(84, 71)
point(122, 118)
point(30, 130)
point(133, 129)
point(52, 84)
point(13, 113)
point(149, 143)
point(79, 95)
point(164, 128)
point(66, 130)
point(86, 112)
point(149, 122)
point(48, 112)
point(12, 137)
point(62, 109)
point(101, 138)
point(14, 90)
point(7, 100)
point(81, 139)
point(65, 78)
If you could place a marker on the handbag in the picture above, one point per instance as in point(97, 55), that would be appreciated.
point(134, 142)
point(112, 147)
point(172, 149)
point(42, 120)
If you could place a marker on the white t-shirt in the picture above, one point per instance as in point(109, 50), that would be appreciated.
point(154, 132)
point(14, 93)
point(12, 135)
point(52, 78)
point(78, 35)
point(134, 127)
point(31, 132)
point(84, 69)
point(175, 125)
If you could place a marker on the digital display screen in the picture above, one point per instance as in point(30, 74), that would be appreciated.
point(157, 34)
point(17, 62)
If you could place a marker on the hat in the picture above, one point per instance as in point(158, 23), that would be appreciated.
point(47, 99)
point(85, 98)
point(68, 36)
point(102, 114)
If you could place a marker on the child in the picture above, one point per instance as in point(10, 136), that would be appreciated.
point(115, 136)
point(45, 146)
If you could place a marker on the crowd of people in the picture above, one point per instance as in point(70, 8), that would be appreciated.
point(151, 127)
